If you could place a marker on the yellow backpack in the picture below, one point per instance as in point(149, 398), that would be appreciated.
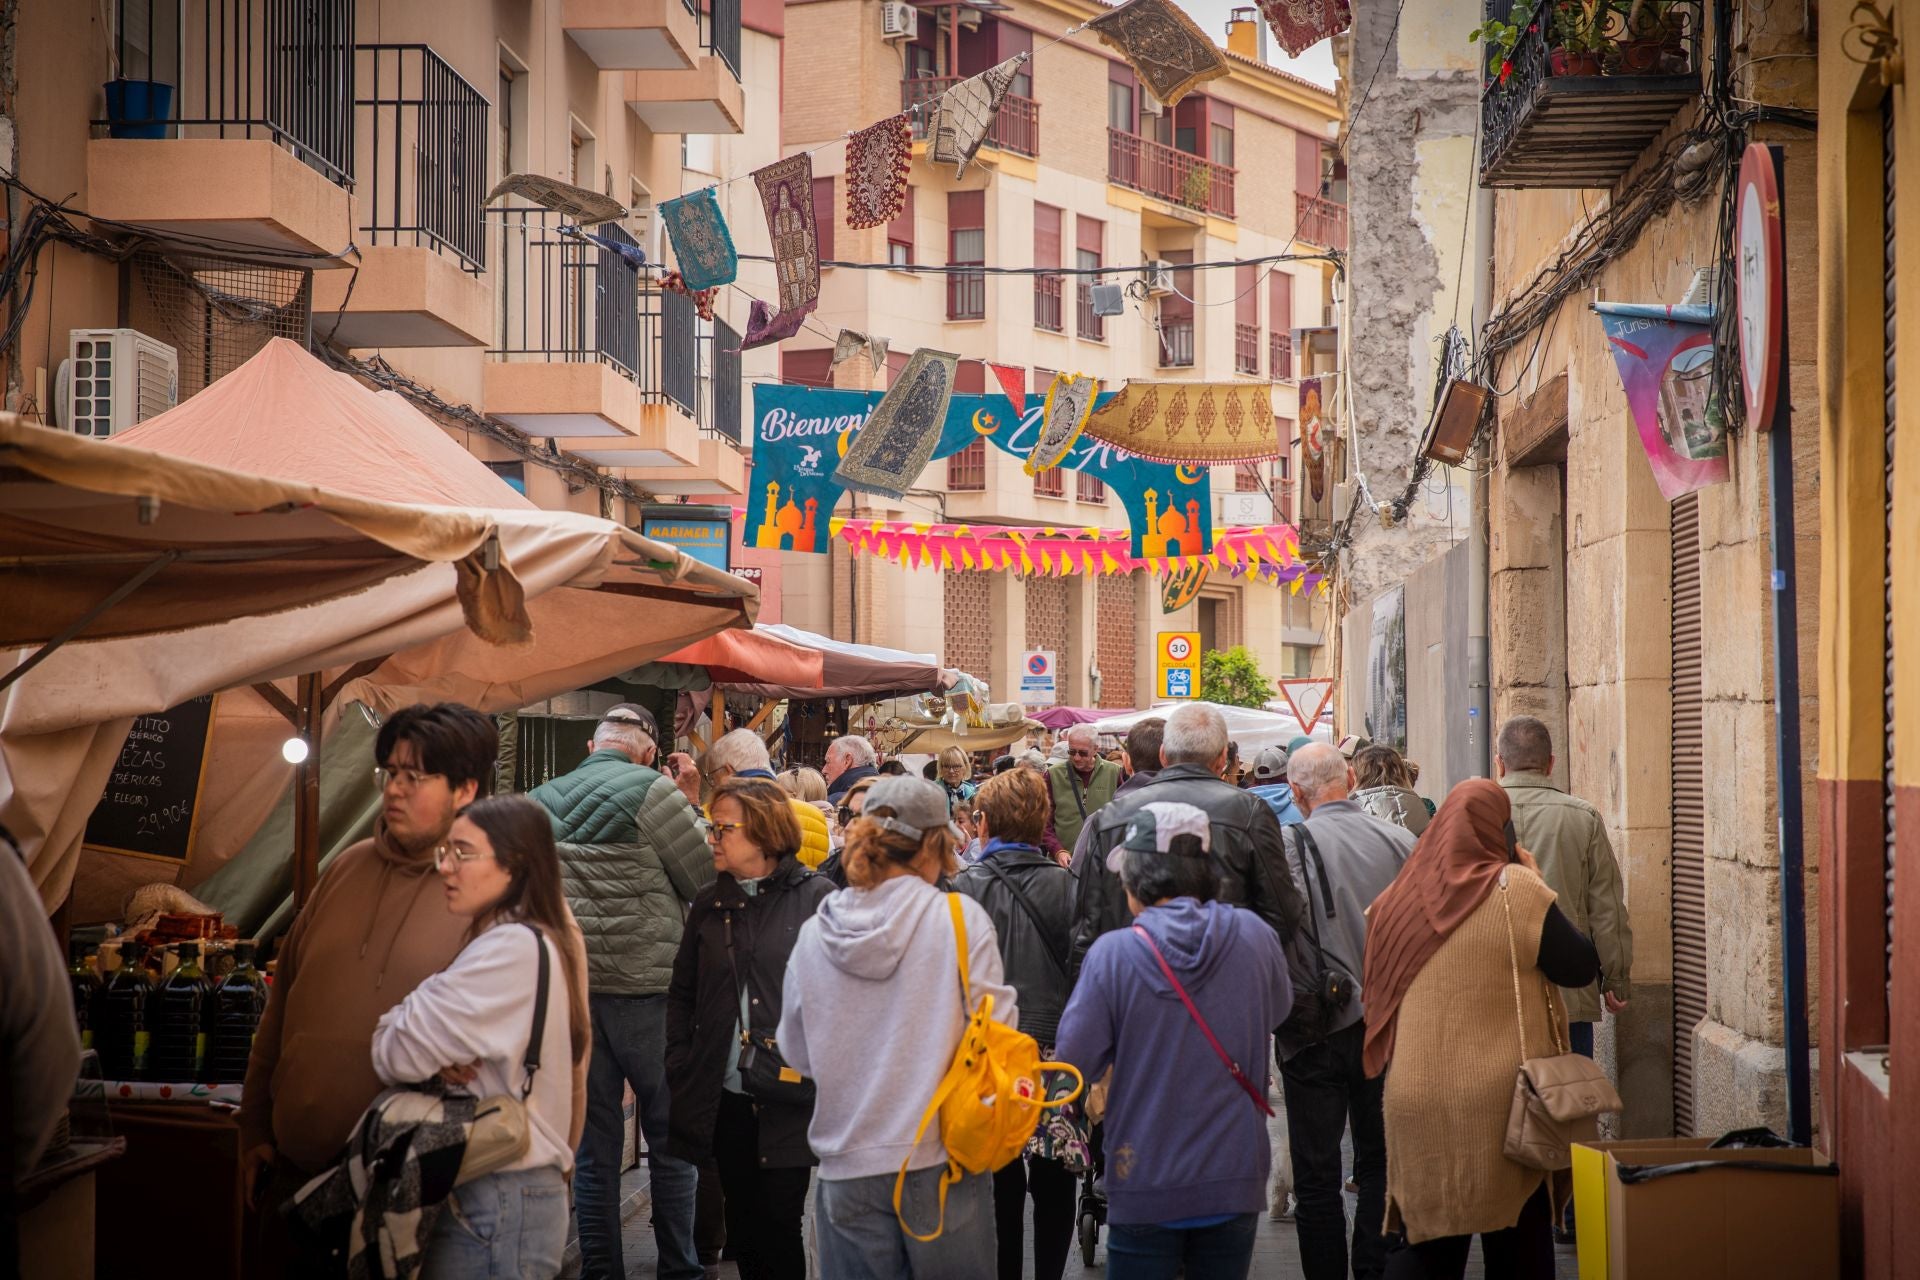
point(990, 1100)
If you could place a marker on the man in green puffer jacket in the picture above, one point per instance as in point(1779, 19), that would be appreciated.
point(633, 854)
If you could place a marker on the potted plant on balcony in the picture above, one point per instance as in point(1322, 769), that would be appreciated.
point(1501, 36)
point(137, 107)
point(1577, 37)
point(1195, 188)
point(1655, 39)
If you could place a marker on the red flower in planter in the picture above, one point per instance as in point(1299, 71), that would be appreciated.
point(1506, 69)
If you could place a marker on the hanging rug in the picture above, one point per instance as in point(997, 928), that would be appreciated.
point(878, 158)
point(889, 453)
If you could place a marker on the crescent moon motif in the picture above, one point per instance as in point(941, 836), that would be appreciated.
point(984, 422)
point(843, 441)
point(1186, 474)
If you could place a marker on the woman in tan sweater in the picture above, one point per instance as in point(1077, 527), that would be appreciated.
point(1443, 945)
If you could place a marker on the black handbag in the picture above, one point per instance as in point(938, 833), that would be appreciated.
point(1321, 988)
point(764, 1073)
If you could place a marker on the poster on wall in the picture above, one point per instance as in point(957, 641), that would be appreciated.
point(1665, 356)
point(1387, 670)
point(800, 434)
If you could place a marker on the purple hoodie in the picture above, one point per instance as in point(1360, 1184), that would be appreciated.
point(1183, 1139)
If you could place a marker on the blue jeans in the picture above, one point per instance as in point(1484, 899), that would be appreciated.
point(505, 1224)
point(1580, 1038)
point(860, 1239)
point(1147, 1252)
point(630, 1047)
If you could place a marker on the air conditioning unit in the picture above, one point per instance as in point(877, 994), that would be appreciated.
point(1158, 276)
point(1150, 105)
point(899, 20)
point(117, 377)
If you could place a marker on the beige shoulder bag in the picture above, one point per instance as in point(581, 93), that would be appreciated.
point(1555, 1100)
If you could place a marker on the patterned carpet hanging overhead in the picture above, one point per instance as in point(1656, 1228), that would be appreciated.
point(878, 158)
point(1168, 50)
point(893, 448)
point(1064, 417)
point(966, 112)
point(1200, 423)
point(701, 241)
point(1298, 25)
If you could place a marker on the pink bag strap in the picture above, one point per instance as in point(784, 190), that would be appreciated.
point(1240, 1077)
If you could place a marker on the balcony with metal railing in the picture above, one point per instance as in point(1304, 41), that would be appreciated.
point(967, 469)
point(966, 295)
point(420, 143)
point(1015, 129)
point(1176, 344)
point(634, 35)
point(1168, 174)
point(1320, 221)
point(1048, 312)
point(1280, 355)
point(705, 97)
point(1246, 348)
point(231, 118)
point(581, 353)
point(1575, 105)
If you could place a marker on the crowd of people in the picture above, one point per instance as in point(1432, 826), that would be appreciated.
point(767, 961)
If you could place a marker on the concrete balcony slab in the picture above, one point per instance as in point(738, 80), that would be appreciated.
point(721, 469)
point(241, 189)
point(662, 436)
point(706, 98)
point(645, 35)
point(404, 297)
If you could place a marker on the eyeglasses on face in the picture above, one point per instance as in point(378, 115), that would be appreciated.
point(718, 830)
point(407, 779)
point(457, 851)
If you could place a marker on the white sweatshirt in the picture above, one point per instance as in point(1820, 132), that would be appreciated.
point(480, 1009)
point(871, 1011)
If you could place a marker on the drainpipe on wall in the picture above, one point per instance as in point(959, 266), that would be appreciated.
point(1480, 727)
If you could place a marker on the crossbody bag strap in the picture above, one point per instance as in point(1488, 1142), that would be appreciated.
point(960, 954)
point(532, 1060)
point(1239, 1076)
point(1079, 797)
point(1054, 952)
point(1308, 845)
point(1306, 878)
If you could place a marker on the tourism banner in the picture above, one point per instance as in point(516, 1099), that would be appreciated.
point(800, 434)
point(1665, 356)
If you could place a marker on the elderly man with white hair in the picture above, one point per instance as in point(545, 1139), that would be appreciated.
point(743, 754)
point(850, 758)
point(1341, 858)
point(1245, 840)
point(1082, 784)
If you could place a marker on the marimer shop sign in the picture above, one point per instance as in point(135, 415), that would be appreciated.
point(800, 434)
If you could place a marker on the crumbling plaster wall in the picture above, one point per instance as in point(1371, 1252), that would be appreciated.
point(1411, 203)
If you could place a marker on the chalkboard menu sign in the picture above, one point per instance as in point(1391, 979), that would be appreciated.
point(152, 799)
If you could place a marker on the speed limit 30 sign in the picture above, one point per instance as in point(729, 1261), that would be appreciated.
point(1177, 665)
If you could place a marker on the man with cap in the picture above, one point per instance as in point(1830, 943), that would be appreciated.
point(632, 855)
point(1270, 784)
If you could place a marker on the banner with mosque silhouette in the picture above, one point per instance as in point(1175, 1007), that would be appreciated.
point(800, 433)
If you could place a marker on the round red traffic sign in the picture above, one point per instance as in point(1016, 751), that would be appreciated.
point(1179, 648)
point(1762, 283)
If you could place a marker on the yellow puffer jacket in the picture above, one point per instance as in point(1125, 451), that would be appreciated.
point(814, 842)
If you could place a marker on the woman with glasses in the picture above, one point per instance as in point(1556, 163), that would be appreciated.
point(470, 1023)
point(735, 1101)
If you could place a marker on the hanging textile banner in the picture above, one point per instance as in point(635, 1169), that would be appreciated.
point(878, 158)
point(898, 440)
point(701, 241)
point(786, 193)
point(802, 432)
point(1168, 50)
point(1062, 418)
point(1268, 552)
point(764, 325)
point(966, 112)
point(1313, 436)
point(850, 344)
point(1182, 586)
point(1298, 25)
point(1203, 423)
point(1665, 357)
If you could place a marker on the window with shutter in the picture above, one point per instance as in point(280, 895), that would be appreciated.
point(966, 247)
point(1047, 311)
point(900, 235)
point(824, 218)
point(1689, 853)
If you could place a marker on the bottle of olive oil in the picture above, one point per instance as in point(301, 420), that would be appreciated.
point(238, 1002)
point(85, 981)
point(121, 1029)
point(180, 1020)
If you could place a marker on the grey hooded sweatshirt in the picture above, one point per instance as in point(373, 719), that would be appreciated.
point(871, 1013)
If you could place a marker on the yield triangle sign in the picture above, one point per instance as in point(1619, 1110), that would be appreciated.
point(1314, 691)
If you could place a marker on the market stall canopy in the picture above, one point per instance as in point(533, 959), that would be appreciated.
point(202, 544)
point(1058, 718)
point(1253, 729)
point(600, 599)
point(774, 661)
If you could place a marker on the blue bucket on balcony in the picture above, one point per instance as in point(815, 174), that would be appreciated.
point(138, 108)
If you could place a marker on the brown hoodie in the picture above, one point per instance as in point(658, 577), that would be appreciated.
point(376, 927)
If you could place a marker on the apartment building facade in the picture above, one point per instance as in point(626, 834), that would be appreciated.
point(1081, 171)
point(320, 170)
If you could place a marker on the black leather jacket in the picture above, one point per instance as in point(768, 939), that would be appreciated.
point(703, 1005)
point(1027, 953)
point(1247, 851)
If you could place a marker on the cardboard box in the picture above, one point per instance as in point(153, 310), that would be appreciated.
point(1706, 1223)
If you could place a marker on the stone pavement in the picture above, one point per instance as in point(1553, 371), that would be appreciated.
point(1276, 1255)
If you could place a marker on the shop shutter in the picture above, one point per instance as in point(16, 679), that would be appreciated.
point(1689, 811)
point(1888, 185)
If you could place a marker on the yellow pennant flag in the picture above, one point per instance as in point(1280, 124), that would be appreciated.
point(1253, 554)
point(1213, 561)
point(835, 525)
point(1092, 531)
point(1048, 530)
point(1273, 550)
point(966, 556)
point(946, 558)
point(1026, 561)
point(921, 529)
point(878, 526)
point(1295, 585)
point(1046, 560)
point(1226, 549)
point(1107, 563)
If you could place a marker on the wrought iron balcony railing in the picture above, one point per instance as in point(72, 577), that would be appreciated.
point(275, 69)
point(720, 32)
point(1016, 128)
point(1176, 344)
point(1169, 174)
point(1048, 313)
point(1570, 108)
point(966, 295)
point(967, 469)
point(421, 149)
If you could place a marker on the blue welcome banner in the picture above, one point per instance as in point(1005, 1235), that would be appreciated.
point(801, 432)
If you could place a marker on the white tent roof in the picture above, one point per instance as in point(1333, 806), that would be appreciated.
point(1252, 729)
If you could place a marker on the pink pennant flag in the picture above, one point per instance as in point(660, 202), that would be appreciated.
point(1013, 381)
